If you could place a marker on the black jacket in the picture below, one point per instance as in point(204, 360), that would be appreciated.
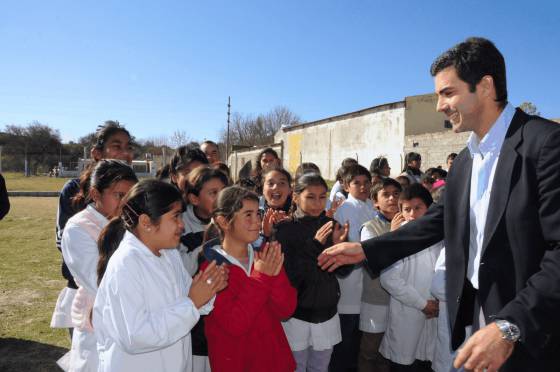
point(318, 290)
point(519, 274)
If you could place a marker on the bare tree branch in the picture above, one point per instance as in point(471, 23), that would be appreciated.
point(260, 130)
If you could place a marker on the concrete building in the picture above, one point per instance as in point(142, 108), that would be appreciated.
point(389, 130)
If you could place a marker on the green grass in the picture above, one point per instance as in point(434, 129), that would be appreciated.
point(30, 282)
point(18, 182)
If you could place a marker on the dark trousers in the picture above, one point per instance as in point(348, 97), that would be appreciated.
point(417, 366)
point(370, 359)
point(345, 354)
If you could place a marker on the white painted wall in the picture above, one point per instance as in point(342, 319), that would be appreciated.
point(363, 137)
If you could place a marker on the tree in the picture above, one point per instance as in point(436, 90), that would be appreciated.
point(156, 141)
point(249, 130)
point(179, 138)
point(38, 143)
point(88, 140)
point(529, 108)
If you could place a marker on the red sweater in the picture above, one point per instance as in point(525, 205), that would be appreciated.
point(243, 331)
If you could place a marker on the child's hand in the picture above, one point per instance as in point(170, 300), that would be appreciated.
point(279, 216)
point(267, 222)
point(270, 259)
point(271, 218)
point(323, 233)
point(432, 309)
point(337, 202)
point(207, 283)
point(397, 221)
point(340, 233)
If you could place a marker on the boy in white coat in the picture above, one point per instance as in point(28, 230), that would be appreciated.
point(412, 327)
point(356, 210)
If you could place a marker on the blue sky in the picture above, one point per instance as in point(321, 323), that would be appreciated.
point(161, 66)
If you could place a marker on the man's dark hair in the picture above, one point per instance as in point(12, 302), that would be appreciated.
point(354, 171)
point(473, 59)
point(451, 156)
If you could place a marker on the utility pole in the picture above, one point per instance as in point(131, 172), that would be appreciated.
point(227, 136)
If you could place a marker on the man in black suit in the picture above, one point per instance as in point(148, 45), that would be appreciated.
point(500, 220)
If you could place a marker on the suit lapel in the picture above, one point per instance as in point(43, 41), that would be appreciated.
point(458, 201)
point(501, 183)
point(465, 208)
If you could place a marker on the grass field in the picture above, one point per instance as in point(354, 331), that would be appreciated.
point(18, 182)
point(30, 281)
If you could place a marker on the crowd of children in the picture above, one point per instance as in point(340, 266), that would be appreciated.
point(188, 272)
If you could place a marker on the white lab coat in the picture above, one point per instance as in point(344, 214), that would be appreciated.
point(409, 334)
point(444, 356)
point(80, 252)
point(142, 314)
point(356, 213)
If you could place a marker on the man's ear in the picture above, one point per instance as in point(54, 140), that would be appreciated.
point(174, 179)
point(346, 187)
point(486, 84)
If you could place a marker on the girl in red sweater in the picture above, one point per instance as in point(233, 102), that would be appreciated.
point(244, 330)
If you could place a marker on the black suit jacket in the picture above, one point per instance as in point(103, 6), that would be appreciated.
point(519, 274)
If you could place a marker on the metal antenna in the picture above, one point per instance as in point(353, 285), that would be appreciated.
point(227, 137)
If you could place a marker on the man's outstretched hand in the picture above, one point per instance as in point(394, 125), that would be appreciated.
point(341, 254)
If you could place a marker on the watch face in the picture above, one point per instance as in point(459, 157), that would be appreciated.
point(509, 331)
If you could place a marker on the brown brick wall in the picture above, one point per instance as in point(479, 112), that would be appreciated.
point(434, 147)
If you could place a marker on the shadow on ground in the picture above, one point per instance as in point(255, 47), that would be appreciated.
point(25, 355)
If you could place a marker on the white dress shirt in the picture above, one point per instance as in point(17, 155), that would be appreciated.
point(444, 355)
point(485, 154)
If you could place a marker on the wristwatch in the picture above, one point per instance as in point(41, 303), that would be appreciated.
point(510, 332)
